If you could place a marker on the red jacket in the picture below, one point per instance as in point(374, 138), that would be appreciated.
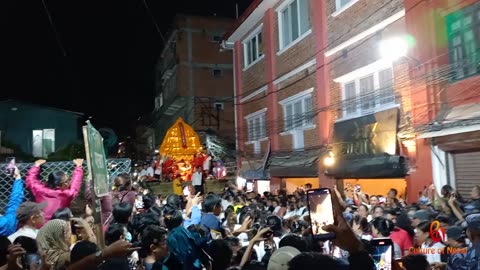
point(55, 198)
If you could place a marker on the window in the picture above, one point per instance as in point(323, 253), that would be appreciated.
point(293, 21)
point(43, 142)
point(256, 123)
point(463, 30)
point(253, 48)
point(297, 111)
point(217, 72)
point(342, 3)
point(218, 106)
point(159, 101)
point(366, 94)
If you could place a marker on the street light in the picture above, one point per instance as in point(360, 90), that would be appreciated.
point(394, 48)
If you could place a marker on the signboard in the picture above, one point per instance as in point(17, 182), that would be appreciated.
point(97, 160)
point(367, 147)
point(367, 136)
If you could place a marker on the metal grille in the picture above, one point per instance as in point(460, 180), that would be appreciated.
point(115, 167)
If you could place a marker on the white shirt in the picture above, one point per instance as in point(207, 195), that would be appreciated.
point(260, 248)
point(293, 213)
point(150, 171)
point(142, 173)
point(197, 179)
point(24, 231)
point(435, 257)
point(206, 163)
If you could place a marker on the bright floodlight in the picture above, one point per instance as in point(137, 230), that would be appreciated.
point(329, 161)
point(394, 48)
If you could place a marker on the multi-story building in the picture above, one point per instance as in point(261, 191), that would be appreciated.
point(194, 78)
point(447, 99)
point(370, 99)
point(279, 88)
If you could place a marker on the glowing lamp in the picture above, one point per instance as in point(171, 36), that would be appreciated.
point(394, 48)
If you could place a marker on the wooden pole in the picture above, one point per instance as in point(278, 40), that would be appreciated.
point(96, 206)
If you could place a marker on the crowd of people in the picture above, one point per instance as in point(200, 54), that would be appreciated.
point(233, 230)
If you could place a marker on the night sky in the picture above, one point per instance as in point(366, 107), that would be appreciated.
point(111, 48)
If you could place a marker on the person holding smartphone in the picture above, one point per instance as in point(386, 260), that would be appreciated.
point(8, 222)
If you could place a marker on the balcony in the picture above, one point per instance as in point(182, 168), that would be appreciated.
point(367, 103)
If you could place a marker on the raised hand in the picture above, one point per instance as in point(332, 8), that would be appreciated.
point(40, 162)
point(78, 162)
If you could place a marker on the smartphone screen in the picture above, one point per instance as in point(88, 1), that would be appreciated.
point(382, 253)
point(321, 212)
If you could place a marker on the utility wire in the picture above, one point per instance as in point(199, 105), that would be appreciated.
point(54, 28)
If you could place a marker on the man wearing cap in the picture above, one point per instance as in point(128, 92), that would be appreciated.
point(455, 240)
point(8, 222)
point(420, 216)
point(471, 259)
point(30, 217)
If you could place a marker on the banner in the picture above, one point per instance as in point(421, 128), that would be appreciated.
point(96, 159)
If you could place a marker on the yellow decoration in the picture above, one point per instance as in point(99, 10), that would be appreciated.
point(179, 147)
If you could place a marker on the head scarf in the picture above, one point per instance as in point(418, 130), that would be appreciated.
point(52, 243)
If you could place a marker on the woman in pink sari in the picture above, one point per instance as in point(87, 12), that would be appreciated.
point(58, 191)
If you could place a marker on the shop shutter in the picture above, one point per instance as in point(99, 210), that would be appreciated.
point(467, 172)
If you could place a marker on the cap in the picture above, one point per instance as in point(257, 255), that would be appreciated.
point(455, 233)
point(281, 257)
point(473, 221)
point(27, 209)
point(424, 201)
point(423, 215)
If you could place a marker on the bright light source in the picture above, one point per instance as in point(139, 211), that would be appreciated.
point(394, 48)
point(329, 161)
point(156, 151)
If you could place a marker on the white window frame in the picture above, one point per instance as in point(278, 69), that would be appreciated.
point(255, 33)
point(42, 133)
point(339, 8)
point(355, 76)
point(284, 47)
point(261, 115)
point(292, 100)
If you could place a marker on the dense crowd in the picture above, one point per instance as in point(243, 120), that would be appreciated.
point(233, 230)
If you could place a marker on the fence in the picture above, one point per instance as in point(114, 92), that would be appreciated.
point(115, 166)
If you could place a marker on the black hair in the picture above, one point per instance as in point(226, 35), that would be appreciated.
point(81, 250)
point(295, 241)
point(142, 221)
point(442, 219)
point(63, 214)
point(415, 262)
point(376, 207)
point(404, 223)
point(123, 182)
point(172, 217)
point(4, 243)
point(424, 226)
point(363, 222)
point(148, 201)
point(311, 260)
point(221, 254)
point(27, 243)
point(383, 225)
point(364, 206)
point(55, 179)
point(121, 212)
point(152, 235)
point(211, 201)
point(232, 241)
point(114, 232)
point(394, 191)
point(174, 200)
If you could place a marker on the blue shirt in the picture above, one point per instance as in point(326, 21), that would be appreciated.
point(195, 218)
point(465, 261)
point(8, 222)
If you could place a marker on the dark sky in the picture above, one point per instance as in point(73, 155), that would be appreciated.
point(111, 48)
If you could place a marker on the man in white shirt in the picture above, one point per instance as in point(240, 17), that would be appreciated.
point(293, 212)
point(151, 171)
point(207, 163)
point(29, 216)
point(197, 180)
